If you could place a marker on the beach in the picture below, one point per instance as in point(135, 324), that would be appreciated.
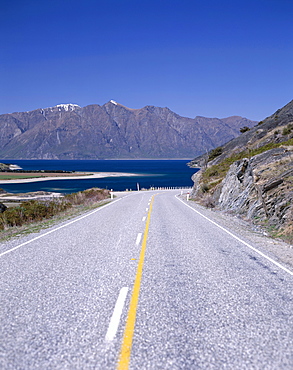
point(62, 176)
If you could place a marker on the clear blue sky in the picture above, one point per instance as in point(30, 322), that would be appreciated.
point(208, 58)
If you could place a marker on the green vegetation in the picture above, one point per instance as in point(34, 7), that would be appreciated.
point(15, 176)
point(34, 211)
point(214, 174)
point(215, 153)
point(30, 211)
point(244, 129)
point(288, 129)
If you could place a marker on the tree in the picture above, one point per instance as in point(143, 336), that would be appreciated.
point(244, 129)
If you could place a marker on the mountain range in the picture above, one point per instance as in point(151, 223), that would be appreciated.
point(68, 131)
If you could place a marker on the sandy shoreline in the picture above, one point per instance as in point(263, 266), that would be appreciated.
point(97, 175)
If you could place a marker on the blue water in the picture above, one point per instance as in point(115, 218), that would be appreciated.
point(151, 173)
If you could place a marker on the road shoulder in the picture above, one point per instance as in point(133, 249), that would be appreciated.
point(277, 249)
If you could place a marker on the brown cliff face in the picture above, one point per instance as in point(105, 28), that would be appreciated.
point(111, 131)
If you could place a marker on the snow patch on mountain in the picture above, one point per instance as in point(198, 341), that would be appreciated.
point(67, 107)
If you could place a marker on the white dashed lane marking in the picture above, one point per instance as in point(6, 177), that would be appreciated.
point(115, 319)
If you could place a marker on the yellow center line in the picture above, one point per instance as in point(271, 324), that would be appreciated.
point(125, 351)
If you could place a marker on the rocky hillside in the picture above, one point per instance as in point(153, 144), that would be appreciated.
point(68, 131)
point(252, 175)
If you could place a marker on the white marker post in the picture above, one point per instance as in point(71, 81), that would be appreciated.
point(187, 197)
point(111, 193)
point(137, 186)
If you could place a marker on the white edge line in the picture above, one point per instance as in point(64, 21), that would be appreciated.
point(138, 238)
point(240, 240)
point(115, 319)
point(58, 228)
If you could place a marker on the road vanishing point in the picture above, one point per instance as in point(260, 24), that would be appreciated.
point(148, 281)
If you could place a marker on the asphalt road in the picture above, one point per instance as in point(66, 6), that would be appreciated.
point(199, 298)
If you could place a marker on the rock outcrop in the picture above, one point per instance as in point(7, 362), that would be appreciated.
point(4, 167)
point(251, 189)
point(237, 187)
point(2, 207)
point(252, 176)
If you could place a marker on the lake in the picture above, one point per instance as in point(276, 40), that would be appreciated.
point(150, 173)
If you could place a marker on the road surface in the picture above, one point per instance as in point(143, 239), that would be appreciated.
point(145, 282)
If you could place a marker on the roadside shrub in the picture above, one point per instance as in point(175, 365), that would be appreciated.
point(12, 217)
point(35, 210)
point(31, 211)
point(87, 196)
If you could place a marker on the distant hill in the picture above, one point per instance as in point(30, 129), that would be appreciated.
point(68, 131)
point(252, 175)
